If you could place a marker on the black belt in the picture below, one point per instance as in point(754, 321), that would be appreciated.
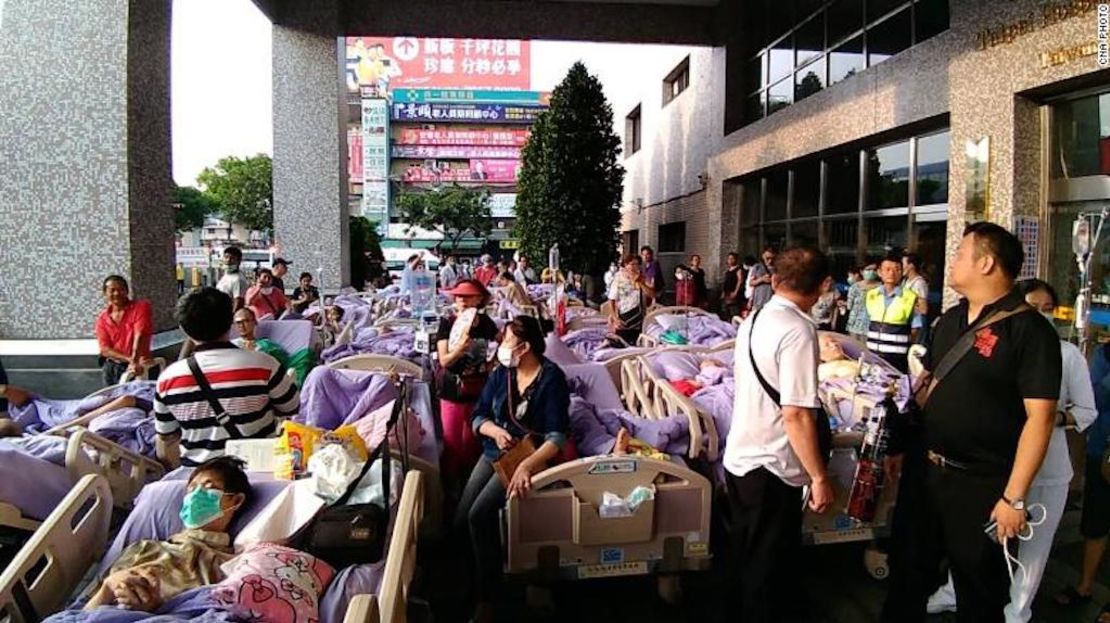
point(944, 462)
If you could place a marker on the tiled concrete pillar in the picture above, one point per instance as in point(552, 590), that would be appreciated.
point(310, 169)
point(84, 161)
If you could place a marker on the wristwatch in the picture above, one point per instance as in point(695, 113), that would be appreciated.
point(1016, 504)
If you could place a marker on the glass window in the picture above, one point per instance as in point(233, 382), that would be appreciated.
point(841, 244)
point(774, 204)
point(809, 80)
point(753, 107)
point(809, 40)
point(755, 70)
point(749, 240)
point(807, 189)
point(884, 234)
point(781, 59)
point(774, 235)
point(749, 200)
point(804, 233)
point(1081, 137)
point(842, 183)
point(889, 38)
point(1061, 263)
point(932, 169)
point(780, 96)
point(632, 127)
point(930, 19)
point(888, 176)
point(780, 17)
point(672, 237)
point(845, 19)
point(876, 9)
point(846, 60)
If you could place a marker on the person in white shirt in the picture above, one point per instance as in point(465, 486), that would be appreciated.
point(233, 283)
point(449, 274)
point(524, 274)
point(1077, 409)
point(773, 449)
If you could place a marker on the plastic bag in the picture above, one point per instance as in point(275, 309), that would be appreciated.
point(369, 490)
point(613, 505)
point(334, 468)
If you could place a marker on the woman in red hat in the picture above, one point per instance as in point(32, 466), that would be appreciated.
point(463, 343)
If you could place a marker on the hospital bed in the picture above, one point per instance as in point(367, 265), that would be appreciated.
point(427, 456)
point(556, 532)
point(35, 483)
point(653, 327)
point(49, 569)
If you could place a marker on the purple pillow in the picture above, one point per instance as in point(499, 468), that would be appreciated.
point(675, 365)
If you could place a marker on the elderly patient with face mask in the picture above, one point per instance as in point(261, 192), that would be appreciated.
point(149, 573)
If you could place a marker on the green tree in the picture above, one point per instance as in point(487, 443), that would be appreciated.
point(243, 189)
point(453, 211)
point(363, 239)
point(190, 207)
point(570, 184)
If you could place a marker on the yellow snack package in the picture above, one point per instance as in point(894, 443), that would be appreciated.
point(294, 448)
point(348, 437)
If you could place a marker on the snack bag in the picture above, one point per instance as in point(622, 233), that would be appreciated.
point(348, 437)
point(293, 450)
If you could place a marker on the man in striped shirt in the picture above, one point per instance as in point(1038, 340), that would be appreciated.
point(252, 389)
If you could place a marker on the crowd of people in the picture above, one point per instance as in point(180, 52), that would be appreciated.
point(982, 458)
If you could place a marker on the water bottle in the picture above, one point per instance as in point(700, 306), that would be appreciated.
point(423, 292)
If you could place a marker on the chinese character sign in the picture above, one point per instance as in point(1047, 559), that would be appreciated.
point(464, 152)
point(480, 172)
point(466, 113)
point(354, 154)
point(375, 159)
point(502, 205)
point(486, 138)
point(494, 170)
point(383, 64)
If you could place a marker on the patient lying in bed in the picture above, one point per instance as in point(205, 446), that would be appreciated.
point(9, 428)
point(149, 573)
point(712, 373)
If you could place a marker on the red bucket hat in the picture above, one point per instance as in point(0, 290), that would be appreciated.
point(468, 287)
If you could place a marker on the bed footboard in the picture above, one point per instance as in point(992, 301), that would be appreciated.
point(556, 532)
point(400, 563)
point(127, 472)
point(50, 566)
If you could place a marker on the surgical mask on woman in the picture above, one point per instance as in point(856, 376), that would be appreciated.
point(870, 275)
point(201, 507)
point(267, 290)
point(507, 357)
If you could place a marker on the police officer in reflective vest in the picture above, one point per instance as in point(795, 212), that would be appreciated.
point(894, 315)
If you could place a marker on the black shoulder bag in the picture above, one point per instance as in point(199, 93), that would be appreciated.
point(824, 428)
point(345, 535)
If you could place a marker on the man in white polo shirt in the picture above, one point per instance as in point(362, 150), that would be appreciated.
point(773, 448)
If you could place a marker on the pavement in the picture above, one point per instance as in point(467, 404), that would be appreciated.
point(832, 587)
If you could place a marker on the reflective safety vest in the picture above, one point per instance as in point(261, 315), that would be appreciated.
point(888, 332)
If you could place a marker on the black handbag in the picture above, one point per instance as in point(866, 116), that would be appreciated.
point(354, 535)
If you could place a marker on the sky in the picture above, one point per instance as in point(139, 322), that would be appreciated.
point(221, 79)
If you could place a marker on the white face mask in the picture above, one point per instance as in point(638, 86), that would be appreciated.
point(267, 290)
point(507, 357)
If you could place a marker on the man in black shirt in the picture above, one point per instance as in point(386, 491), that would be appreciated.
point(986, 428)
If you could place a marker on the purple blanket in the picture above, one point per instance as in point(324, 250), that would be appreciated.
point(397, 342)
point(698, 330)
point(43, 413)
point(193, 606)
point(717, 401)
point(331, 398)
point(585, 342)
point(131, 428)
point(35, 480)
point(595, 430)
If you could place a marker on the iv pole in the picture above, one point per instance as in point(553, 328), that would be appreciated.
point(1084, 247)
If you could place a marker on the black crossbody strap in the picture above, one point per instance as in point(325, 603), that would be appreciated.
point(776, 397)
point(222, 417)
point(382, 452)
point(963, 346)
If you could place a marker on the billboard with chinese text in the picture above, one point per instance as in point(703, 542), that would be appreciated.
point(502, 205)
point(425, 96)
point(495, 170)
point(490, 138)
point(354, 154)
point(380, 65)
point(461, 152)
point(375, 159)
point(434, 172)
point(466, 113)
